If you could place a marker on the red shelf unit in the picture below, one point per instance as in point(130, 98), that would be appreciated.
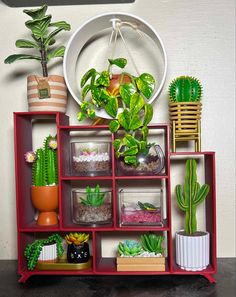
point(27, 230)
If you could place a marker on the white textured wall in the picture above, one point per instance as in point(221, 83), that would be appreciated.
point(199, 39)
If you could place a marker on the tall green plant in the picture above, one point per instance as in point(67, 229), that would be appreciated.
point(189, 197)
point(42, 38)
point(45, 167)
point(185, 89)
point(131, 95)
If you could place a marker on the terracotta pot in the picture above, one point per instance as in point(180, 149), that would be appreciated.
point(46, 93)
point(45, 199)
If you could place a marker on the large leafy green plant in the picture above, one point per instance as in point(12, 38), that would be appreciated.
point(43, 33)
point(130, 93)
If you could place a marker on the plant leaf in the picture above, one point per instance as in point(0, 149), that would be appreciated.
point(120, 62)
point(62, 25)
point(36, 13)
point(13, 58)
point(135, 122)
point(104, 79)
point(124, 119)
point(112, 106)
point(148, 114)
point(23, 43)
point(85, 91)
point(57, 53)
point(131, 160)
point(129, 140)
point(39, 27)
point(114, 126)
point(116, 144)
point(136, 103)
point(90, 73)
point(126, 91)
point(133, 150)
point(144, 131)
point(146, 84)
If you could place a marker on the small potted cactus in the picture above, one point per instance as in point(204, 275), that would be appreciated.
point(92, 206)
point(44, 250)
point(47, 92)
point(44, 190)
point(192, 246)
point(185, 106)
point(78, 248)
point(147, 254)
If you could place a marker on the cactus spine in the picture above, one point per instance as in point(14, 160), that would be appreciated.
point(185, 89)
point(45, 168)
point(191, 196)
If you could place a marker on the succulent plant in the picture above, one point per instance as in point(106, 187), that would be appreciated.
point(146, 206)
point(45, 167)
point(189, 197)
point(77, 238)
point(152, 243)
point(33, 250)
point(110, 91)
point(93, 197)
point(42, 38)
point(130, 248)
point(185, 89)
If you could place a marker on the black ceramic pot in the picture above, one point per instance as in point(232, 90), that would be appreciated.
point(78, 253)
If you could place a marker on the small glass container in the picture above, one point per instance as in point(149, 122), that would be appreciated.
point(139, 208)
point(91, 158)
point(97, 213)
point(152, 163)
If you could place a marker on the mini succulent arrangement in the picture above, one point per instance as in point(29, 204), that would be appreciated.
point(92, 206)
point(35, 249)
point(150, 245)
point(78, 248)
point(124, 98)
point(45, 163)
point(188, 197)
point(43, 32)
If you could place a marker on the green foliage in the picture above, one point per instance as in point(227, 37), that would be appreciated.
point(152, 243)
point(33, 250)
point(146, 206)
point(43, 33)
point(185, 89)
point(130, 248)
point(45, 167)
point(135, 113)
point(189, 197)
point(94, 197)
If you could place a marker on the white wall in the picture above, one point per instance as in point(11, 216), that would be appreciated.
point(199, 39)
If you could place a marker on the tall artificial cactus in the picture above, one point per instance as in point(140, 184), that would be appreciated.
point(185, 89)
point(45, 167)
point(189, 197)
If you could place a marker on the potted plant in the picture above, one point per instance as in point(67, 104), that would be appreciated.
point(43, 250)
point(143, 255)
point(45, 93)
point(124, 98)
point(192, 246)
point(185, 106)
point(44, 190)
point(91, 206)
point(78, 248)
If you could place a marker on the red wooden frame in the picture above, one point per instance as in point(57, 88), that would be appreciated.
point(27, 230)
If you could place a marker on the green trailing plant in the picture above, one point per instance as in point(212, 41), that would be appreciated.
point(43, 33)
point(129, 248)
point(190, 196)
point(128, 93)
point(185, 89)
point(94, 197)
point(152, 243)
point(33, 250)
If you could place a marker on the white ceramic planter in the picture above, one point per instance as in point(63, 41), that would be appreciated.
point(192, 252)
point(57, 100)
point(48, 253)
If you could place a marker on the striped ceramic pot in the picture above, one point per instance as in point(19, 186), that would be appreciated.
point(48, 253)
point(46, 93)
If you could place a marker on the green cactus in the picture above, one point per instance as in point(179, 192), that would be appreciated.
point(129, 248)
point(93, 197)
point(185, 89)
point(152, 243)
point(189, 197)
point(45, 167)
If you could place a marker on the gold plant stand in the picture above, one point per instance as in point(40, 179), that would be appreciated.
point(185, 118)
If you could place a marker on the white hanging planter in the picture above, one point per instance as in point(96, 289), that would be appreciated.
point(192, 251)
point(48, 253)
